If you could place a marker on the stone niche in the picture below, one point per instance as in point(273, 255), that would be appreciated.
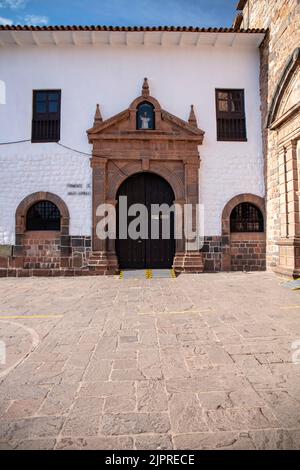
point(121, 149)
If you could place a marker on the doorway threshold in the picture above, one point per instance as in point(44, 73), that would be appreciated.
point(148, 274)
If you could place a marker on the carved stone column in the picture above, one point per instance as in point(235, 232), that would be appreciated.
point(289, 244)
point(113, 264)
point(179, 227)
point(98, 261)
point(191, 260)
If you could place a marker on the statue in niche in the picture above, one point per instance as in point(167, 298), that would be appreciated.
point(145, 121)
point(145, 116)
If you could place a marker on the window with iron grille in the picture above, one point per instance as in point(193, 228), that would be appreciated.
point(43, 215)
point(246, 218)
point(231, 119)
point(46, 116)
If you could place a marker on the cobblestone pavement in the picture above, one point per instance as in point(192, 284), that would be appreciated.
point(197, 362)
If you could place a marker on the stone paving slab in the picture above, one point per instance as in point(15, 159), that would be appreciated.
point(198, 362)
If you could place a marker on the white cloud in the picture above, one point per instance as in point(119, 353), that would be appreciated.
point(36, 20)
point(13, 4)
point(5, 21)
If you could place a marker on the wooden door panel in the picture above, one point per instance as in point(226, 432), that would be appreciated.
point(147, 189)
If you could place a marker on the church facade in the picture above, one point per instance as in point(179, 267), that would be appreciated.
point(159, 115)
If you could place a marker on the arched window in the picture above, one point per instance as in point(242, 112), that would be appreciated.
point(145, 116)
point(43, 215)
point(246, 217)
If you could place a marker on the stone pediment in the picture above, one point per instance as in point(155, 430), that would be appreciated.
point(292, 96)
point(286, 99)
point(123, 126)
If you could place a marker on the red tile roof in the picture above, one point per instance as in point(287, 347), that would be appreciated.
point(128, 29)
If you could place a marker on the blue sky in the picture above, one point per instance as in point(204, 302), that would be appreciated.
point(119, 12)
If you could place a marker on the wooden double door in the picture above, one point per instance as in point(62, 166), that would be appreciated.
point(152, 249)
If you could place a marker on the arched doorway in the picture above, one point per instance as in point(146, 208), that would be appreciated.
point(155, 246)
point(144, 138)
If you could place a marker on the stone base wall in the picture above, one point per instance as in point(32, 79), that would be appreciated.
point(212, 254)
point(19, 272)
point(47, 254)
point(75, 258)
point(248, 252)
point(42, 250)
point(80, 249)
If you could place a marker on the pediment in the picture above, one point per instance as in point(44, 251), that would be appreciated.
point(292, 95)
point(120, 125)
point(113, 125)
point(175, 124)
point(286, 99)
point(123, 126)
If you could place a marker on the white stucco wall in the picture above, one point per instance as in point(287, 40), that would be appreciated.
point(113, 76)
point(24, 172)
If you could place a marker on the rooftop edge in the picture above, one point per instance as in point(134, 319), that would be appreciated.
point(190, 29)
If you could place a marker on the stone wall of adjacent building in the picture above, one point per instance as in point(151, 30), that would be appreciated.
point(282, 19)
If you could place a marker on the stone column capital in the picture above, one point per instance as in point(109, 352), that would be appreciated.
point(192, 163)
point(98, 162)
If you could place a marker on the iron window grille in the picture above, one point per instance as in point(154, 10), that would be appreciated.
point(246, 218)
point(231, 119)
point(43, 215)
point(46, 116)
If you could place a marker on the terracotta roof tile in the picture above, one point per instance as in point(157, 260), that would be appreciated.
point(128, 29)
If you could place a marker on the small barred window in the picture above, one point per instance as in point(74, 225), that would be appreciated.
point(231, 119)
point(46, 116)
point(246, 218)
point(43, 215)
